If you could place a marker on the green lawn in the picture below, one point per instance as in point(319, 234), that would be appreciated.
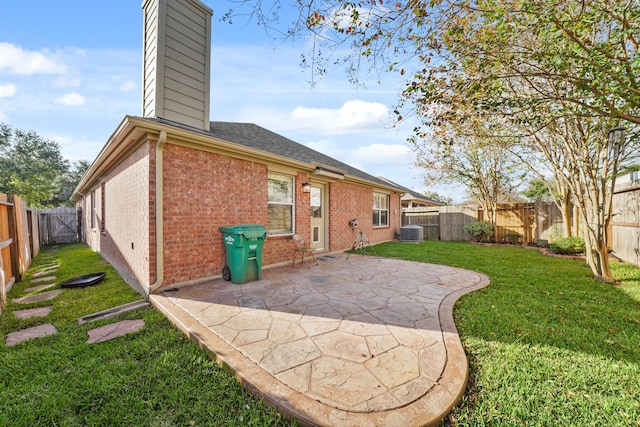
point(155, 377)
point(547, 346)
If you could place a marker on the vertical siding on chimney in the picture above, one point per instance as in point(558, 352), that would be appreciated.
point(176, 62)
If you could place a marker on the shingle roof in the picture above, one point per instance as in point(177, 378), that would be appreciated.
point(409, 191)
point(258, 138)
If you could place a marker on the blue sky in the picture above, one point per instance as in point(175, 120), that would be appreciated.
point(71, 70)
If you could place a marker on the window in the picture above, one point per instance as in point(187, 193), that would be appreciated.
point(93, 209)
point(380, 210)
point(635, 176)
point(280, 189)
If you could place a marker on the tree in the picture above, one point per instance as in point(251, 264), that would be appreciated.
point(489, 173)
point(30, 167)
point(518, 63)
point(437, 197)
point(68, 182)
point(537, 190)
point(554, 73)
point(590, 46)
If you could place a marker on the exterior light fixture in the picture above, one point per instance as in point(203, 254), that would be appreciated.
point(306, 187)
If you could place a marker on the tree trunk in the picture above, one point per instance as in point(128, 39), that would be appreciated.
point(596, 247)
point(598, 258)
point(566, 213)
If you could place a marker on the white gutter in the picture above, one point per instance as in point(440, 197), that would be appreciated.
point(159, 214)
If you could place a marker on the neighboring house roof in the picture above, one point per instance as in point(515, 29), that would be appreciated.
point(410, 194)
point(249, 135)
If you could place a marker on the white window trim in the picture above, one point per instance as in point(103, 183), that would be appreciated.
point(94, 211)
point(380, 210)
point(293, 206)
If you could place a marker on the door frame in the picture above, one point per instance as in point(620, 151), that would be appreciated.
point(323, 245)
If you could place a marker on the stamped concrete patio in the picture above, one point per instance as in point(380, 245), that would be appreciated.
point(356, 342)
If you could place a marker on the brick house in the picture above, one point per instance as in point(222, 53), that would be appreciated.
point(153, 200)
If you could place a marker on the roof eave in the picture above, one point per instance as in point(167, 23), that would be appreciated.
point(132, 130)
point(126, 135)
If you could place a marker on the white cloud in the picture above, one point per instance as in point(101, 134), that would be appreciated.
point(63, 140)
point(15, 60)
point(128, 86)
point(67, 81)
point(382, 154)
point(72, 99)
point(393, 161)
point(353, 116)
point(3, 117)
point(7, 90)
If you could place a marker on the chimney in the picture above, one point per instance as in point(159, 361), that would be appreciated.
point(176, 61)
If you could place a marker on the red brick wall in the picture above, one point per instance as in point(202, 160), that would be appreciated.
point(122, 237)
point(348, 201)
point(202, 192)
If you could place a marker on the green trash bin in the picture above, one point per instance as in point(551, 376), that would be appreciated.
point(243, 245)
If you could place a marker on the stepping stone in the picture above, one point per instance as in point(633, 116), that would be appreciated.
point(43, 279)
point(32, 312)
point(118, 329)
point(39, 288)
point(43, 296)
point(47, 270)
point(17, 337)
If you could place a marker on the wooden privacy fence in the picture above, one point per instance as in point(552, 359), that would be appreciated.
point(531, 221)
point(513, 221)
point(19, 241)
point(538, 221)
point(427, 217)
point(625, 227)
point(59, 225)
point(441, 222)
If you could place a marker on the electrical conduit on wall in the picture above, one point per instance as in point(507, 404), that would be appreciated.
point(159, 206)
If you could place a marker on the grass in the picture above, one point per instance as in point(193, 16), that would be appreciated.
point(155, 377)
point(547, 344)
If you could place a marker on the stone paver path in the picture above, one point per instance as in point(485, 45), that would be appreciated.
point(96, 335)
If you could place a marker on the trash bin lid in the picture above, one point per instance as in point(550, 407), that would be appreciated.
point(247, 230)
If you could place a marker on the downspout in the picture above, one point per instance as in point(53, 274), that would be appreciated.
point(159, 206)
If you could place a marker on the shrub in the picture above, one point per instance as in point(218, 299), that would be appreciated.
point(513, 237)
point(479, 230)
point(567, 246)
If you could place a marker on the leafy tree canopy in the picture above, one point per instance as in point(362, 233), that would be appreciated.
point(537, 189)
point(34, 169)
